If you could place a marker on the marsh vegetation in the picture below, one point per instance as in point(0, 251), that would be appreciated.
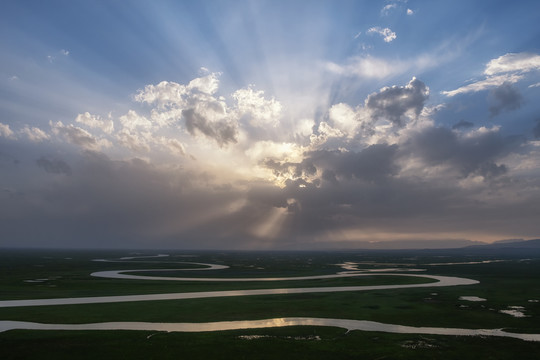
point(506, 281)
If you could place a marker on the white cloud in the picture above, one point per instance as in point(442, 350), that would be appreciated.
point(132, 141)
point(284, 151)
point(304, 127)
point(195, 104)
point(163, 94)
point(513, 62)
point(509, 68)
point(387, 34)
point(410, 12)
point(386, 9)
point(64, 52)
point(207, 84)
point(76, 135)
point(260, 111)
point(371, 67)
point(168, 117)
point(490, 82)
point(368, 67)
point(168, 94)
point(5, 131)
point(345, 118)
point(34, 134)
point(172, 145)
point(132, 120)
point(95, 121)
point(534, 85)
point(328, 131)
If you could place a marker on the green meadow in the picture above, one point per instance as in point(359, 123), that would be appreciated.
point(513, 280)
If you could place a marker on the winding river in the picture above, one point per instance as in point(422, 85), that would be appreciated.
point(248, 324)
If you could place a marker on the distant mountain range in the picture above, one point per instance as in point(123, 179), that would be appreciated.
point(455, 245)
point(509, 244)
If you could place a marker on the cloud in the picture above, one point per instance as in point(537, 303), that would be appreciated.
point(116, 203)
point(410, 12)
point(164, 94)
point(195, 103)
point(490, 82)
point(375, 163)
point(392, 103)
point(386, 9)
point(208, 84)
point(133, 140)
point(75, 135)
point(381, 119)
point(172, 145)
point(373, 188)
point(95, 121)
point(258, 110)
point(368, 67)
point(387, 34)
point(347, 120)
point(513, 62)
point(165, 117)
point(34, 134)
point(132, 121)
point(64, 52)
point(534, 85)
point(5, 131)
point(509, 68)
point(462, 124)
point(222, 131)
point(170, 94)
point(53, 166)
point(378, 167)
point(536, 129)
point(505, 97)
point(393, 5)
point(467, 153)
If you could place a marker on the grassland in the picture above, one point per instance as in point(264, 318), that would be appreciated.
point(512, 282)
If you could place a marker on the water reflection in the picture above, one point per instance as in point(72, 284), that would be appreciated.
point(361, 325)
point(440, 281)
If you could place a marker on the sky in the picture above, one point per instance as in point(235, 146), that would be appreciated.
point(268, 124)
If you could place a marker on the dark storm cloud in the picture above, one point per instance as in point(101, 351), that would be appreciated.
point(401, 205)
point(504, 97)
point(390, 205)
point(132, 203)
point(467, 154)
point(374, 163)
point(462, 124)
point(114, 203)
point(297, 170)
point(491, 170)
point(53, 166)
point(391, 103)
point(367, 189)
point(222, 132)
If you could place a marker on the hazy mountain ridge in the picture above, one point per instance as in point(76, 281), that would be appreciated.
point(508, 244)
